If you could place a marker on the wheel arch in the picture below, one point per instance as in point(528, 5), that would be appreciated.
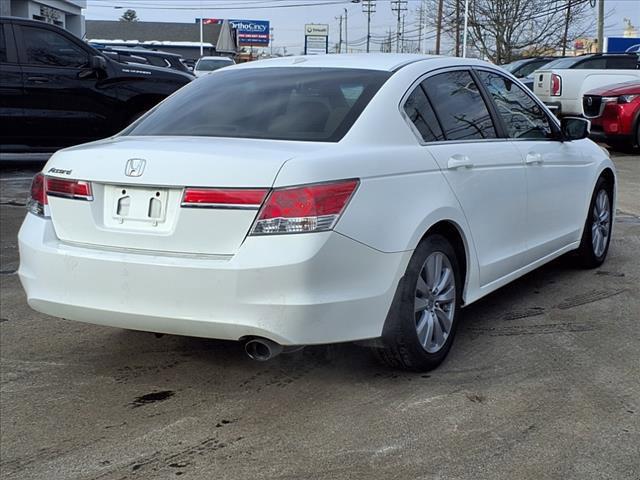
point(454, 233)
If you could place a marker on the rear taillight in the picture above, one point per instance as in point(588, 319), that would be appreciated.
point(42, 187)
point(556, 85)
point(62, 187)
point(238, 198)
point(308, 208)
point(37, 198)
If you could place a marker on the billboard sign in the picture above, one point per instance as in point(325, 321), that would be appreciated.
point(621, 44)
point(251, 33)
point(316, 39)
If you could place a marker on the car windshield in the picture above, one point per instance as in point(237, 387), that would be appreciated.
point(210, 64)
point(513, 66)
point(278, 103)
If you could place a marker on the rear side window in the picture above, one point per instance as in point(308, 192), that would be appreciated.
point(459, 106)
point(419, 111)
point(277, 103)
point(45, 47)
point(592, 64)
point(3, 45)
point(521, 115)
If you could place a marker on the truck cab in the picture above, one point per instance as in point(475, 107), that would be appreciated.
point(57, 91)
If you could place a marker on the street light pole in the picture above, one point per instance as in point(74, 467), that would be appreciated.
point(466, 25)
point(201, 31)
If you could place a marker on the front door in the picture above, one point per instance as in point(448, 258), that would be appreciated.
point(556, 171)
point(486, 173)
point(12, 127)
point(63, 105)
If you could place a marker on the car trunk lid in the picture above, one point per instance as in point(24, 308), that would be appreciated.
point(138, 185)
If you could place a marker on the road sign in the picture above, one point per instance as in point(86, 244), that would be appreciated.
point(316, 39)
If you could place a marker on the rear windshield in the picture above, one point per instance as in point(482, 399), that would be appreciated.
point(277, 103)
point(209, 65)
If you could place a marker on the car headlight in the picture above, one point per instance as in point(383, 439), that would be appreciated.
point(627, 98)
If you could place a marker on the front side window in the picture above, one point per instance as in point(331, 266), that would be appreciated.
point(45, 47)
point(622, 63)
point(419, 111)
point(277, 103)
point(459, 106)
point(521, 115)
point(3, 45)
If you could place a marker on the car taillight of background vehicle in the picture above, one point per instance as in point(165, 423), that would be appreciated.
point(556, 85)
point(303, 209)
point(42, 187)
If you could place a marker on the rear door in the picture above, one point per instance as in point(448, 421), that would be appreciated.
point(556, 171)
point(485, 172)
point(12, 128)
point(64, 105)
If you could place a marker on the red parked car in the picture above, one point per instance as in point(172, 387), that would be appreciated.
point(614, 112)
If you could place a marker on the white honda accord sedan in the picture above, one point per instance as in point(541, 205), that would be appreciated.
point(312, 200)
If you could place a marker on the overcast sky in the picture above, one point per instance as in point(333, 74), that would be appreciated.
point(288, 23)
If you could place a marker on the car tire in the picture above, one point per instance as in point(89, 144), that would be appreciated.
point(596, 235)
point(419, 340)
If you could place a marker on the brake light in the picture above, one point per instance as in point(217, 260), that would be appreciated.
point(37, 197)
point(556, 85)
point(240, 198)
point(62, 187)
point(309, 208)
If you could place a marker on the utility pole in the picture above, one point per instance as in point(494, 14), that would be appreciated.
point(398, 6)
point(369, 7)
point(600, 26)
point(439, 26)
point(340, 30)
point(566, 28)
point(346, 32)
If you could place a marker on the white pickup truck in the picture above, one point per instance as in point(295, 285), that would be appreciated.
point(562, 83)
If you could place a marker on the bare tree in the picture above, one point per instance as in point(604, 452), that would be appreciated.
point(504, 30)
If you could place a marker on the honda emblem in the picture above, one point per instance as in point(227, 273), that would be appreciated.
point(135, 167)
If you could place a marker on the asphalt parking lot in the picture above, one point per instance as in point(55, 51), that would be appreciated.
point(542, 383)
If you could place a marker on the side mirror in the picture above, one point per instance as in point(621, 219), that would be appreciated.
point(98, 62)
point(574, 128)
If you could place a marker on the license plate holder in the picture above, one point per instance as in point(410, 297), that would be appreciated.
point(145, 205)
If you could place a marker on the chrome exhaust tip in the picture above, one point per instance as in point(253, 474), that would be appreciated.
point(262, 349)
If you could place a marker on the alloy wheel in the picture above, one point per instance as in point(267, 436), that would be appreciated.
point(601, 223)
point(435, 302)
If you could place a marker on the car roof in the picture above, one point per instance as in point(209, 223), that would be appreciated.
point(369, 61)
point(143, 51)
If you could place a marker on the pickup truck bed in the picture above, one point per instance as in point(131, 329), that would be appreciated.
point(574, 83)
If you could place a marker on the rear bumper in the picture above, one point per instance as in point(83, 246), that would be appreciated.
point(555, 107)
point(293, 289)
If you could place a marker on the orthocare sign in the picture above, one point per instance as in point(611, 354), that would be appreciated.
point(250, 32)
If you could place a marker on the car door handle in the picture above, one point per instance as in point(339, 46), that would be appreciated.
point(533, 159)
point(459, 161)
point(38, 79)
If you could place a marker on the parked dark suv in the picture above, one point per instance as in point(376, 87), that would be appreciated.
point(57, 91)
point(142, 55)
